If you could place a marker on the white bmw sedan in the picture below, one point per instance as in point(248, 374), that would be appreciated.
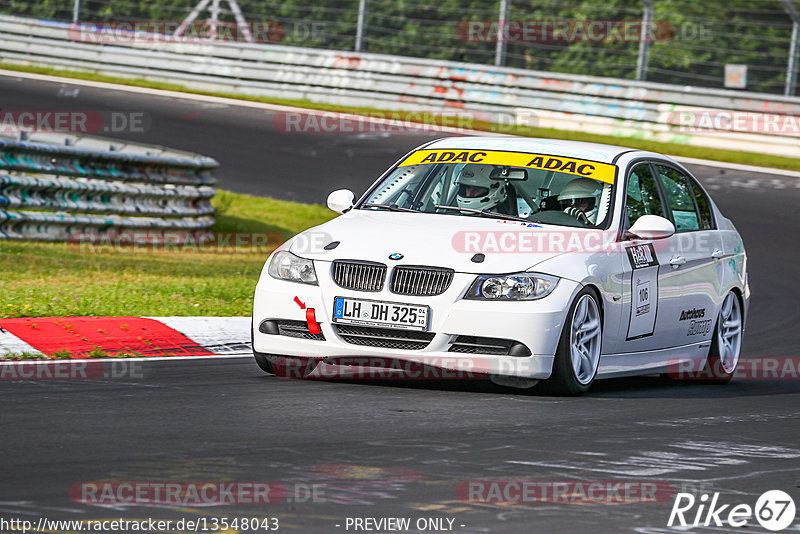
point(519, 259)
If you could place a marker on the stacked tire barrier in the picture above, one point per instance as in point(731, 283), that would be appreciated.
point(607, 106)
point(56, 192)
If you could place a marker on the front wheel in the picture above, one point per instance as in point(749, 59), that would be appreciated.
point(726, 345)
point(261, 359)
point(263, 362)
point(578, 356)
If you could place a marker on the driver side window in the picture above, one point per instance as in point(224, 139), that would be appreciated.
point(643, 197)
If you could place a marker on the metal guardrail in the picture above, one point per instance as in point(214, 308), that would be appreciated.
point(58, 192)
point(562, 101)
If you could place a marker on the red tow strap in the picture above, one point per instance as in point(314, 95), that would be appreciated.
point(313, 327)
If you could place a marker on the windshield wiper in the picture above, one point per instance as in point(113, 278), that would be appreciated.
point(485, 213)
point(392, 207)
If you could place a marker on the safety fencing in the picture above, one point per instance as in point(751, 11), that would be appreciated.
point(68, 187)
point(732, 120)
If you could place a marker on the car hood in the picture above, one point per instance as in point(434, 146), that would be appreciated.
point(439, 240)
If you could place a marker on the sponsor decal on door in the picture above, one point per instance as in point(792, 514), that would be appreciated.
point(644, 290)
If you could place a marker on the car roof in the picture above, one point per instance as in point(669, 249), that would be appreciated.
point(549, 147)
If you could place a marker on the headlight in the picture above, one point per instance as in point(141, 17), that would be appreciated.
point(286, 266)
point(518, 286)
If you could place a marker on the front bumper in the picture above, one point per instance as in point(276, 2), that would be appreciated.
point(537, 324)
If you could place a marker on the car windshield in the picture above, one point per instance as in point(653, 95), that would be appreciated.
point(544, 189)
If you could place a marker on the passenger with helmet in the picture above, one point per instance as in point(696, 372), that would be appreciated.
point(579, 198)
point(476, 190)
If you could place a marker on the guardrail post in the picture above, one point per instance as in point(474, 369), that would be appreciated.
point(362, 16)
point(241, 23)
point(214, 20)
point(644, 41)
point(196, 10)
point(791, 68)
point(500, 50)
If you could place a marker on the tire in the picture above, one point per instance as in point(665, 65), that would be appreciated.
point(291, 367)
point(263, 362)
point(726, 343)
point(578, 355)
point(261, 359)
point(283, 366)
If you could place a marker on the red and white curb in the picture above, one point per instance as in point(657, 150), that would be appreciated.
point(152, 337)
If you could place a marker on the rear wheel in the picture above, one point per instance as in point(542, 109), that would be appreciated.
point(726, 345)
point(578, 356)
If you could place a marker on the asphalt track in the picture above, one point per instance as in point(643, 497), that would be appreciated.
point(400, 449)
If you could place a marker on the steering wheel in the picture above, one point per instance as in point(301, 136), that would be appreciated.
point(578, 214)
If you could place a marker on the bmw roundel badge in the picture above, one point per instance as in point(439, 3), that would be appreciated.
point(396, 256)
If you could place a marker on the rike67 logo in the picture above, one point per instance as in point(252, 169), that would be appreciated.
point(774, 510)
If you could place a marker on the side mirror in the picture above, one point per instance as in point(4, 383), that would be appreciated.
point(341, 200)
point(651, 227)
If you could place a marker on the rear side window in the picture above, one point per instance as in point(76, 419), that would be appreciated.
point(680, 197)
point(703, 207)
point(643, 196)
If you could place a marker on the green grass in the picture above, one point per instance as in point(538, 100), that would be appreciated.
point(67, 355)
point(676, 149)
point(58, 279)
point(279, 218)
point(25, 356)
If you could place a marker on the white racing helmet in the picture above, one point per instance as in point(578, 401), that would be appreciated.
point(581, 199)
point(476, 190)
point(580, 189)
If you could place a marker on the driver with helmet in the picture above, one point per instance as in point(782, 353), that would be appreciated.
point(476, 190)
point(579, 198)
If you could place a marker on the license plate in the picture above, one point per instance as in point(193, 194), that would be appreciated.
point(379, 313)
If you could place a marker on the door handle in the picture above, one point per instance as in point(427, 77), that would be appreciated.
point(677, 261)
point(717, 254)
